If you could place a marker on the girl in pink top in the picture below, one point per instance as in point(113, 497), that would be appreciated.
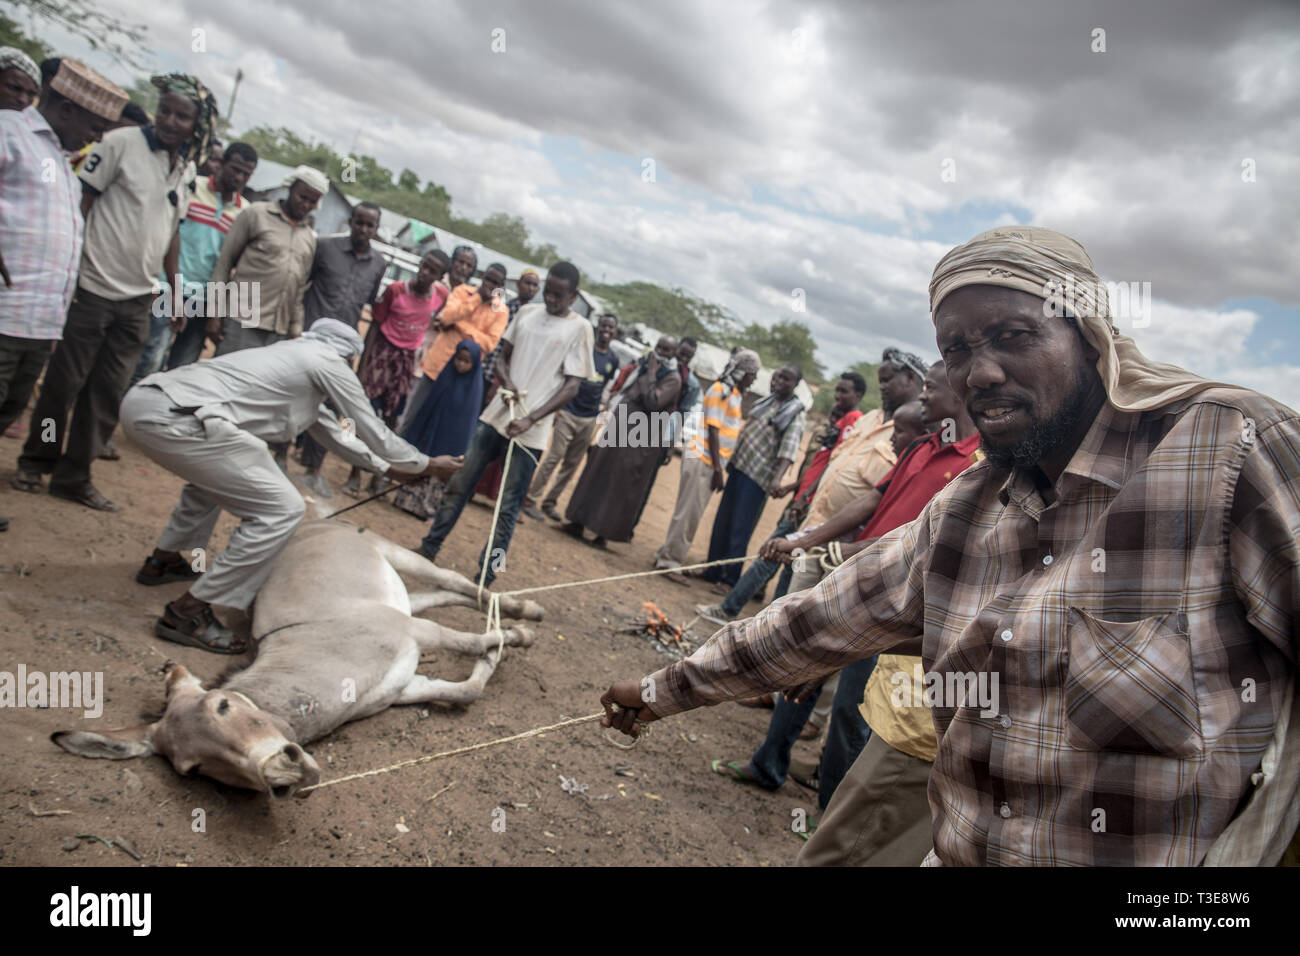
point(398, 323)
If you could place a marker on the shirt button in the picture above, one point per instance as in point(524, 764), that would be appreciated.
point(1004, 811)
point(1006, 635)
point(1047, 559)
point(1004, 721)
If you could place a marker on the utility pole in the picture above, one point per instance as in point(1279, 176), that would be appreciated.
point(239, 75)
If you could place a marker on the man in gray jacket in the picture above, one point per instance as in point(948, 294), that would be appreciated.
point(210, 423)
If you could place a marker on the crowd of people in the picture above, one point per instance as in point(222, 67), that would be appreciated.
point(1109, 542)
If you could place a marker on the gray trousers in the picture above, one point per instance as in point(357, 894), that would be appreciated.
point(569, 440)
point(236, 338)
point(88, 375)
point(693, 495)
point(225, 468)
point(21, 361)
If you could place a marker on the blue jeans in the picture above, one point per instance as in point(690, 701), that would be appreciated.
point(845, 738)
point(485, 447)
point(155, 348)
point(759, 573)
point(738, 512)
point(848, 733)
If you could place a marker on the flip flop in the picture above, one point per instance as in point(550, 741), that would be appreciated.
point(734, 770)
point(677, 578)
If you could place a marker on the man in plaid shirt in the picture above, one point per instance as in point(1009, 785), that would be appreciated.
point(1123, 568)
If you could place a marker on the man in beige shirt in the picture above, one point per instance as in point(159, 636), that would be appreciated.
point(272, 246)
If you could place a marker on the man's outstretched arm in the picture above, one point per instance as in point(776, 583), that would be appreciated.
point(865, 606)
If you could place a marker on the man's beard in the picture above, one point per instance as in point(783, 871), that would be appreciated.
point(1044, 437)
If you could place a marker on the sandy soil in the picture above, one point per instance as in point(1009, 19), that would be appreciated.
point(68, 601)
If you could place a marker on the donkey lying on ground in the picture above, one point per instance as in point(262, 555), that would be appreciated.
point(336, 642)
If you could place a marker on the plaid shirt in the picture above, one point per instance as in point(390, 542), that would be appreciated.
point(759, 445)
point(40, 226)
point(1140, 615)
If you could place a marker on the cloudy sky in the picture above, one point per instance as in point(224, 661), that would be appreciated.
point(836, 148)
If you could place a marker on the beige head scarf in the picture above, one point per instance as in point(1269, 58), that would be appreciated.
point(1056, 268)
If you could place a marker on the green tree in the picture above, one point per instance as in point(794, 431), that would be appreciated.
point(825, 396)
point(409, 181)
point(122, 40)
point(786, 343)
point(11, 34)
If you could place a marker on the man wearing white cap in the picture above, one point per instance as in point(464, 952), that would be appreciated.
point(271, 244)
point(41, 223)
point(210, 423)
point(20, 79)
point(1106, 607)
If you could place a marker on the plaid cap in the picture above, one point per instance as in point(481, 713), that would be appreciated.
point(89, 89)
point(12, 58)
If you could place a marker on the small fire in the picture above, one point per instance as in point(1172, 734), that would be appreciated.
point(658, 625)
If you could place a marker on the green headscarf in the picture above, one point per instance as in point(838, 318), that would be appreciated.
point(205, 122)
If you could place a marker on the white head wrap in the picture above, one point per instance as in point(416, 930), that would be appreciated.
point(1055, 267)
point(312, 177)
point(339, 336)
point(12, 58)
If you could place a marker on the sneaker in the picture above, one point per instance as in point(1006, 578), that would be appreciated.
point(534, 513)
point(714, 614)
point(551, 512)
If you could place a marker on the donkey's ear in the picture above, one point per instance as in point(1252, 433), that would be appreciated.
point(111, 745)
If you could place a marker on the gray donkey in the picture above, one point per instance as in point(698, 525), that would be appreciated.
point(336, 642)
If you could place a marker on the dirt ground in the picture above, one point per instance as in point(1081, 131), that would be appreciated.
point(68, 601)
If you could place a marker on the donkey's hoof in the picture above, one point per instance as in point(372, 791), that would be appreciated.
point(522, 637)
point(532, 611)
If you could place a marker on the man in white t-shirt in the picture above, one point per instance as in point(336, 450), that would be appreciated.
point(545, 355)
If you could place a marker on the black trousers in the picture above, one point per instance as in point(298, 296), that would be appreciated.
point(88, 376)
point(21, 361)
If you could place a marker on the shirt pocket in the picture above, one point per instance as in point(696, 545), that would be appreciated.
point(1130, 686)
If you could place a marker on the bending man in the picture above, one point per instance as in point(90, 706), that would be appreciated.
point(211, 423)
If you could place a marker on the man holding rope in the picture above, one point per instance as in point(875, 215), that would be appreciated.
point(210, 423)
point(545, 356)
point(1124, 562)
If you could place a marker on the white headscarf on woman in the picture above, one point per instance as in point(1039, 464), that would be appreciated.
point(339, 336)
point(1056, 268)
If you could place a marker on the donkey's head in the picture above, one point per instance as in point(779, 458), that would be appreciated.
point(217, 733)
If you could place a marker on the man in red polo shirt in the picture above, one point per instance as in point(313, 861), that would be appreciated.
point(924, 468)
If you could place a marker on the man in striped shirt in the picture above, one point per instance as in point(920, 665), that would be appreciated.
point(216, 201)
point(704, 460)
point(1122, 571)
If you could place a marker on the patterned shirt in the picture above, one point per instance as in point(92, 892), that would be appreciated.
point(1139, 615)
point(207, 221)
point(40, 227)
point(760, 445)
point(722, 410)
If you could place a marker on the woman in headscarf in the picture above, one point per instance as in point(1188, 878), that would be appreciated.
point(623, 464)
point(445, 421)
point(199, 142)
